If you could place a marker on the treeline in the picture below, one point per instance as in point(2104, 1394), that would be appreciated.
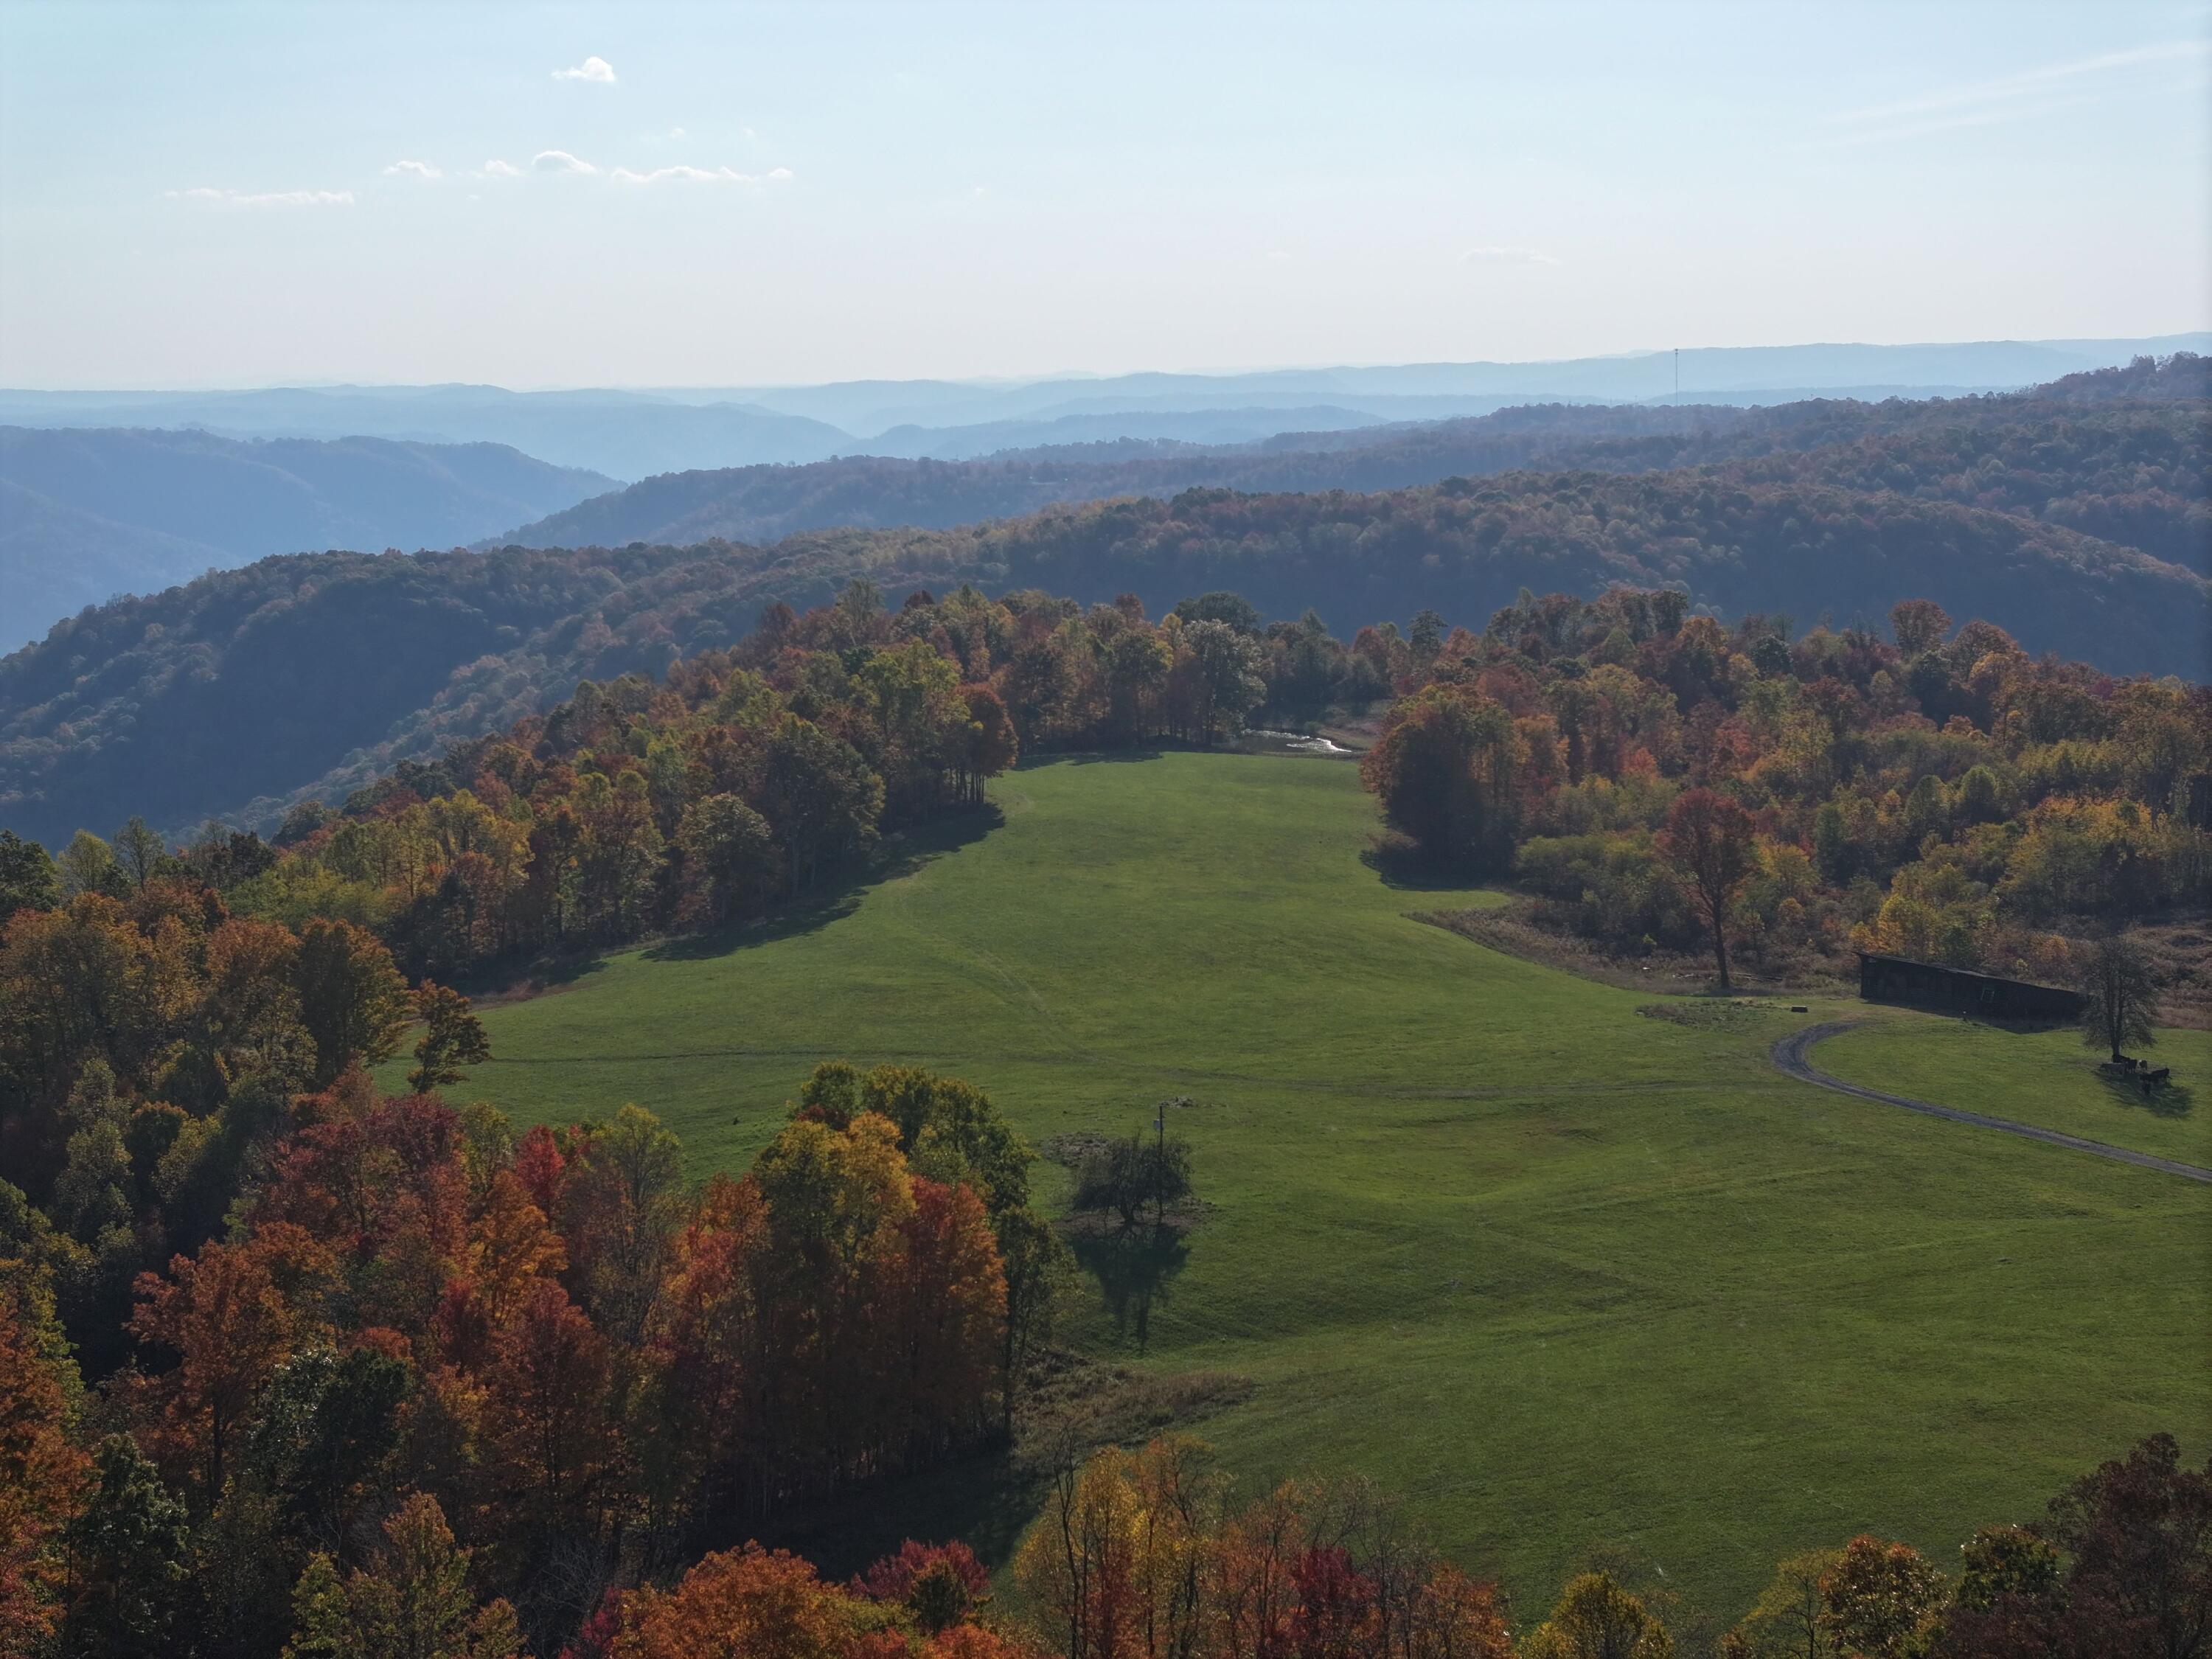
point(1939, 795)
point(242, 692)
point(745, 778)
point(2139, 477)
point(1660, 779)
point(432, 1371)
point(159, 1006)
point(1146, 1555)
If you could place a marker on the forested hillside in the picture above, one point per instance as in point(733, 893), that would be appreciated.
point(249, 688)
point(331, 1341)
point(85, 514)
point(2120, 453)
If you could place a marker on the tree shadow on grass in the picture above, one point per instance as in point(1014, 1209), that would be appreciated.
point(1400, 865)
point(903, 855)
point(1087, 757)
point(512, 979)
point(2168, 1099)
point(1134, 1266)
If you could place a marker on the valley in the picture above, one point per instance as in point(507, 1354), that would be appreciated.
point(1565, 1276)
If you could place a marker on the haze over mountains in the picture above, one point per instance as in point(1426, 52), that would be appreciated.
point(157, 486)
point(1992, 451)
point(2075, 517)
point(88, 514)
point(631, 435)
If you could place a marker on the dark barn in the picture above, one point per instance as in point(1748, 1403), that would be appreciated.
point(1962, 991)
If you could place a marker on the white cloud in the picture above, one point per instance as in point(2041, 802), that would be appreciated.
point(272, 198)
point(496, 168)
point(559, 160)
point(592, 69)
point(2009, 98)
point(700, 176)
point(1508, 256)
point(412, 170)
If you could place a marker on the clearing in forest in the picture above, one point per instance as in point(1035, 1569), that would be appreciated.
point(1564, 1275)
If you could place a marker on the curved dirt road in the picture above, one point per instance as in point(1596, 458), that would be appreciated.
point(1792, 1052)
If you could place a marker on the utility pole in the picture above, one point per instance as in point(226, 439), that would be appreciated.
point(1678, 374)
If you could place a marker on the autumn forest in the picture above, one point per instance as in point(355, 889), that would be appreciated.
point(303, 1353)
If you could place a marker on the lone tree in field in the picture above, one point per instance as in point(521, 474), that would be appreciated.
point(1127, 1176)
point(452, 1037)
point(2123, 1001)
point(1708, 841)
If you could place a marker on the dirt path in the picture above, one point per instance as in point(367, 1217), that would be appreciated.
point(1792, 1052)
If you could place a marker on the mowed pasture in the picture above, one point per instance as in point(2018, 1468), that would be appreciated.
point(2047, 1079)
point(1565, 1276)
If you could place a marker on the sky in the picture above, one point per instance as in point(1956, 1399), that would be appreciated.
point(214, 195)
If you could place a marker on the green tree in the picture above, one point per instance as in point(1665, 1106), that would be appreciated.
point(88, 866)
point(952, 1131)
point(453, 1038)
point(1125, 1176)
point(1595, 1619)
point(28, 880)
point(126, 1557)
point(729, 854)
point(412, 1603)
point(2003, 1561)
point(1229, 680)
point(353, 1002)
point(1443, 771)
point(1137, 664)
point(629, 1203)
point(140, 851)
point(1785, 1622)
point(820, 795)
point(1231, 610)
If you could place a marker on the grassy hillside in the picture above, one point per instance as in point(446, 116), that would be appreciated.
point(1563, 1275)
point(2044, 1078)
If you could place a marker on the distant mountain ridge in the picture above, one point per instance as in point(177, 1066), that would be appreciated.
point(2128, 436)
point(622, 435)
point(246, 690)
point(637, 434)
point(1434, 391)
point(86, 513)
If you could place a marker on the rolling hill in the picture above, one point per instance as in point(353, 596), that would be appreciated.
point(86, 514)
point(248, 689)
point(623, 434)
point(2122, 455)
point(1565, 1276)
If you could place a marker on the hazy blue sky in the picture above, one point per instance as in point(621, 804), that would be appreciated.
point(640, 195)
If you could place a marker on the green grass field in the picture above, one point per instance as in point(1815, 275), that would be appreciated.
point(2045, 1078)
point(1564, 1275)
